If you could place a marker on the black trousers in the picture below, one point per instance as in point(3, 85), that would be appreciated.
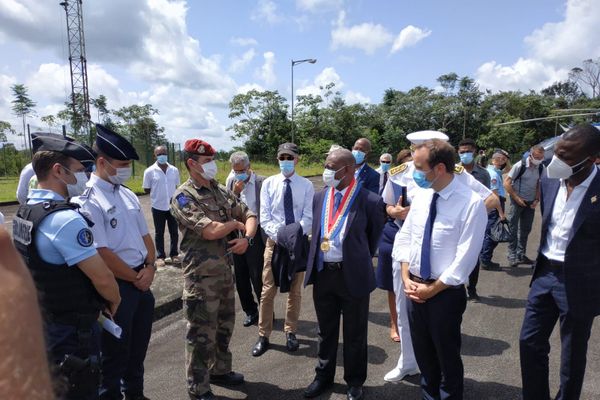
point(332, 300)
point(160, 219)
point(435, 332)
point(248, 275)
point(473, 278)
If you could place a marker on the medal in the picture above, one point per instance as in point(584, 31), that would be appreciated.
point(325, 245)
point(332, 223)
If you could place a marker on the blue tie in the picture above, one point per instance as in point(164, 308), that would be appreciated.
point(336, 201)
point(426, 244)
point(288, 203)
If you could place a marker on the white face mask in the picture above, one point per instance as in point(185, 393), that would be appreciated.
point(210, 170)
point(535, 162)
point(329, 177)
point(123, 174)
point(78, 187)
point(558, 169)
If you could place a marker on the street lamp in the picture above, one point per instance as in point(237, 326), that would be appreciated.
point(295, 62)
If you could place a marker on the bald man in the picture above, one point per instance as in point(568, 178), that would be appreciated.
point(364, 174)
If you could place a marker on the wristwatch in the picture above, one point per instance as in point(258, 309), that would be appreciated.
point(250, 240)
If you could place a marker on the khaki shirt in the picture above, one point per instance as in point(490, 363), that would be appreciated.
point(194, 208)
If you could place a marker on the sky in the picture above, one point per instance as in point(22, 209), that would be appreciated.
point(189, 58)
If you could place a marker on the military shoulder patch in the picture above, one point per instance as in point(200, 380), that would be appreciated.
point(400, 168)
point(459, 169)
point(86, 193)
point(182, 199)
point(85, 237)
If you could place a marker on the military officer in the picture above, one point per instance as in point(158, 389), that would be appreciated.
point(215, 224)
point(73, 282)
point(122, 239)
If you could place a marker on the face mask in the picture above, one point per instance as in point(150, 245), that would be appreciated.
point(210, 170)
point(420, 179)
point(240, 176)
point(329, 177)
point(534, 161)
point(77, 188)
point(162, 158)
point(558, 169)
point(286, 166)
point(359, 156)
point(385, 167)
point(501, 167)
point(466, 158)
point(123, 174)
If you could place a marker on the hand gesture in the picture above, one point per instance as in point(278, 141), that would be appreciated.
point(238, 246)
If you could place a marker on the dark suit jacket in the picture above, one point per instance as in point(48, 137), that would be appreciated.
point(369, 179)
point(582, 256)
point(363, 229)
point(289, 255)
point(259, 179)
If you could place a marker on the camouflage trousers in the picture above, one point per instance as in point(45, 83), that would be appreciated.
point(210, 320)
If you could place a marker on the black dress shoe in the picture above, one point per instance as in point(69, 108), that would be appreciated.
point(473, 296)
point(231, 378)
point(354, 393)
point(260, 347)
point(316, 388)
point(291, 342)
point(525, 260)
point(206, 396)
point(251, 319)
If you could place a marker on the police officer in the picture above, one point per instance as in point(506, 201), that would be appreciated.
point(74, 284)
point(122, 239)
point(215, 224)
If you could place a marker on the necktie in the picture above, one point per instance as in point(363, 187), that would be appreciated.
point(426, 244)
point(336, 201)
point(288, 203)
point(385, 178)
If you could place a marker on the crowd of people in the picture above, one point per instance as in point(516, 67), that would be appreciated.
point(429, 221)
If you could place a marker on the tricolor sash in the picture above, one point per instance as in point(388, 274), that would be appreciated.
point(331, 224)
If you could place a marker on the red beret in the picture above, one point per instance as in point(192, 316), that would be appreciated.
point(200, 147)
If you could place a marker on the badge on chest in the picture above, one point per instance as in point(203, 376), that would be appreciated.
point(113, 223)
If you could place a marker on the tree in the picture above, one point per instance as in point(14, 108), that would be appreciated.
point(565, 93)
point(23, 106)
point(588, 76)
point(100, 104)
point(5, 128)
point(49, 120)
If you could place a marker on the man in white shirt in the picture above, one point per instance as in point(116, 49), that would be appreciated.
point(23, 187)
point(385, 162)
point(566, 278)
point(438, 247)
point(160, 180)
point(285, 198)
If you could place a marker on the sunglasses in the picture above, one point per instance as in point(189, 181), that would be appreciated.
point(385, 162)
point(285, 158)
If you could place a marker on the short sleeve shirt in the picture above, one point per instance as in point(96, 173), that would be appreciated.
point(526, 185)
point(162, 185)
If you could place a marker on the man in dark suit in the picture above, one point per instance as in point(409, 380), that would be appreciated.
point(348, 221)
point(566, 277)
point(364, 174)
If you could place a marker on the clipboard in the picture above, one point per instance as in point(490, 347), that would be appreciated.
point(399, 191)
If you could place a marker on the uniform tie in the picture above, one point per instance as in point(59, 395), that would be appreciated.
point(426, 244)
point(336, 202)
point(288, 203)
point(385, 178)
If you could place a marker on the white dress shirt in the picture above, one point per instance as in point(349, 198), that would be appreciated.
point(23, 187)
point(457, 234)
point(272, 215)
point(563, 215)
point(335, 252)
point(162, 185)
point(119, 222)
point(248, 193)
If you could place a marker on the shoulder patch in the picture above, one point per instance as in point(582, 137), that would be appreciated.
point(400, 168)
point(458, 169)
point(182, 199)
point(86, 193)
point(85, 237)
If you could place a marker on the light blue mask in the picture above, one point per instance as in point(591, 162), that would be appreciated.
point(359, 156)
point(286, 166)
point(162, 159)
point(385, 167)
point(466, 158)
point(242, 176)
point(421, 180)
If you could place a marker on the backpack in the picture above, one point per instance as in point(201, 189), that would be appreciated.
point(523, 168)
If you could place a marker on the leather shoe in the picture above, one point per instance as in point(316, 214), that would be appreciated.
point(525, 260)
point(396, 375)
point(291, 342)
point(206, 396)
point(354, 393)
point(316, 388)
point(251, 319)
point(261, 346)
point(230, 379)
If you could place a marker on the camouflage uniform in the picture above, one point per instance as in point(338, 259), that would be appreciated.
point(208, 294)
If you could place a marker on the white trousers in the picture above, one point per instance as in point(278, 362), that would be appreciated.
point(407, 359)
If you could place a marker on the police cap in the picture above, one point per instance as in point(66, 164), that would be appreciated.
point(199, 147)
point(114, 145)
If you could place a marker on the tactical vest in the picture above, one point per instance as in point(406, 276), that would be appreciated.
point(65, 292)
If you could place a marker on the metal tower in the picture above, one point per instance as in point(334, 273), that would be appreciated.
point(78, 63)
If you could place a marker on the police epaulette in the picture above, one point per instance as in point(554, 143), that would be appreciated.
point(400, 168)
point(86, 193)
point(458, 169)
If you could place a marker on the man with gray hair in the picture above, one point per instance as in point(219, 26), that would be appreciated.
point(246, 185)
point(385, 162)
point(160, 180)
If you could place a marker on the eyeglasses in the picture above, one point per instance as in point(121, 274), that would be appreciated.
point(285, 158)
point(385, 162)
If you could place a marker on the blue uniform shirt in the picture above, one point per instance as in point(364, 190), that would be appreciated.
point(496, 180)
point(63, 237)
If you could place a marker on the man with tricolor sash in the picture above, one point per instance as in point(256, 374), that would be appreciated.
point(348, 221)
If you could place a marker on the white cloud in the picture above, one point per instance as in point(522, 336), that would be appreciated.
point(243, 41)
point(367, 37)
point(409, 36)
point(267, 71)
point(239, 63)
point(326, 76)
point(266, 10)
point(246, 87)
point(552, 51)
point(355, 97)
point(318, 5)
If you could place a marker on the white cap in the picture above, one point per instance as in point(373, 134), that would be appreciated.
point(333, 148)
point(421, 136)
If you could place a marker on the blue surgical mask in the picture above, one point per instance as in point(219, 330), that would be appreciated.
point(286, 166)
point(466, 158)
point(359, 156)
point(162, 158)
point(421, 180)
point(241, 176)
point(385, 167)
